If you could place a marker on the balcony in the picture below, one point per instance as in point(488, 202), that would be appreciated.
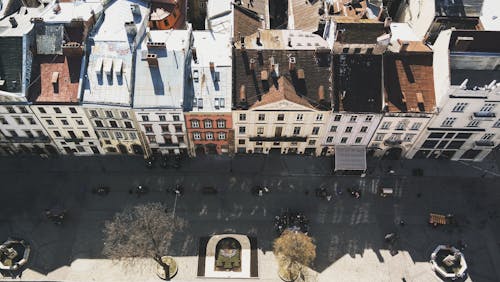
point(19, 139)
point(390, 142)
point(487, 115)
point(485, 143)
point(73, 139)
point(279, 139)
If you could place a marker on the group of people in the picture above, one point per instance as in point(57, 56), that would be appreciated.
point(260, 191)
point(294, 221)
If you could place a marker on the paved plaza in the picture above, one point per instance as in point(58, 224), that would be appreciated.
point(348, 232)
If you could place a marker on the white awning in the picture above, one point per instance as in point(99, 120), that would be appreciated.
point(350, 157)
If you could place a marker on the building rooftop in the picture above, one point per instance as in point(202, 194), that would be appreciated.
point(8, 7)
point(306, 65)
point(357, 82)
point(109, 73)
point(211, 72)
point(490, 15)
point(72, 10)
point(358, 31)
point(305, 15)
point(474, 79)
point(220, 16)
point(59, 79)
point(282, 90)
point(475, 41)
point(160, 69)
point(246, 22)
point(462, 8)
point(19, 24)
point(409, 82)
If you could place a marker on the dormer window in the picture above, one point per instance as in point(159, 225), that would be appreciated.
point(98, 66)
point(196, 76)
point(55, 82)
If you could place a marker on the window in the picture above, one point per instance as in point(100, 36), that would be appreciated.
point(132, 135)
point(42, 110)
point(11, 110)
point(488, 136)
point(180, 139)
point(57, 110)
point(262, 117)
point(416, 126)
point(19, 120)
point(488, 107)
point(459, 107)
point(13, 133)
point(333, 128)
point(319, 117)
point(145, 118)
point(379, 136)
point(260, 130)
point(209, 136)
point(363, 129)
point(368, 118)
point(221, 123)
point(80, 149)
point(86, 133)
point(128, 124)
point(178, 127)
point(315, 130)
point(497, 123)
point(242, 130)
point(455, 144)
point(222, 135)
point(118, 135)
point(337, 117)
point(329, 139)
point(312, 142)
point(258, 143)
point(57, 133)
point(148, 128)
point(281, 117)
point(300, 117)
point(94, 113)
point(29, 134)
point(64, 122)
point(3, 120)
point(409, 137)
point(396, 137)
point(448, 122)
point(72, 110)
point(40, 133)
point(113, 124)
point(401, 125)
point(429, 144)
point(353, 118)
point(463, 135)
point(162, 118)
point(49, 122)
point(348, 129)
point(151, 139)
point(195, 123)
point(104, 134)
point(358, 140)
point(296, 130)
point(79, 122)
point(124, 114)
point(243, 117)
point(23, 110)
point(473, 123)
point(176, 117)
point(386, 124)
point(343, 140)
point(241, 141)
point(208, 123)
point(164, 127)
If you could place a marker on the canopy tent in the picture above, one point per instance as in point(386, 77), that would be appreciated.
point(350, 158)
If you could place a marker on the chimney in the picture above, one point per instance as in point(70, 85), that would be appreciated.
point(291, 63)
point(13, 22)
point(321, 93)
point(131, 29)
point(252, 64)
point(57, 8)
point(462, 43)
point(152, 60)
point(264, 75)
point(289, 42)
point(212, 67)
point(195, 56)
point(72, 49)
point(271, 63)
point(242, 41)
point(403, 45)
point(259, 43)
point(243, 94)
point(301, 74)
point(155, 45)
point(387, 22)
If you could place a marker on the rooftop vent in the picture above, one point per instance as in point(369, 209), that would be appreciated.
point(72, 49)
point(152, 60)
point(291, 63)
point(403, 45)
point(243, 94)
point(131, 29)
point(13, 22)
point(301, 74)
point(156, 45)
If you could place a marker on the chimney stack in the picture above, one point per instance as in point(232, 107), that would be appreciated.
point(243, 94)
point(321, 93)
point(195, 56)
point(463, 42)
point(289, 42)
point(387, 22)
point(291, 63)
point(212, 67)
point(252, 64)
point(13, 22)
point(259, 43)
point(403, 45)
point(152, 60)
point(131, 29)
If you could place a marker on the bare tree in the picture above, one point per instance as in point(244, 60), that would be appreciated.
point(294, 249)
point(141, 231)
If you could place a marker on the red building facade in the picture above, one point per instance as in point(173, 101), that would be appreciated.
point(210, 133)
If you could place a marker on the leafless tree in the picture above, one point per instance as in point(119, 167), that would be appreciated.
point(141, 231)
point(294, 249)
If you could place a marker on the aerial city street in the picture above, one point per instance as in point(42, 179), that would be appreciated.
point(250, 140)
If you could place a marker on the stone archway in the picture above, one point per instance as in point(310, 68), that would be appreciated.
point(51, 150)
point(229, 256)
point(137, 149)
point(393, 153)
point(122, 149)
point(199, 150)
point(211, 149)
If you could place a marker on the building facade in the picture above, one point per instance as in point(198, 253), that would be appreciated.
point(467, 126)
point(159, 88)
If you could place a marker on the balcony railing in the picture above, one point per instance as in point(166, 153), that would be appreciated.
point(19, 139)
point(75, 139)
point(278, 139)
point(390, 142)
point(484, 115)
point(485, 143)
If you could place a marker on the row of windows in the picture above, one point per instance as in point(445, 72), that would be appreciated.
point(164, 128)
point(460, 107)
point(19, 120)
point(280, 117)
point(27, 133)
point(209, 135)
point(402, 125)
point(113, 123)
point(395, 137)
point(117, 135)
point(108, 114)
point(260, 143)
point(20, 109)
point(343, 140)
point(348, 129)
point(166, 139)
point(296, 130)
point(56, 110)
point(451, 135)
point(353, 118)
point(64, 122)
point(449, 121)
point(208, 123)
point(71, 133)
point(160, 117)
